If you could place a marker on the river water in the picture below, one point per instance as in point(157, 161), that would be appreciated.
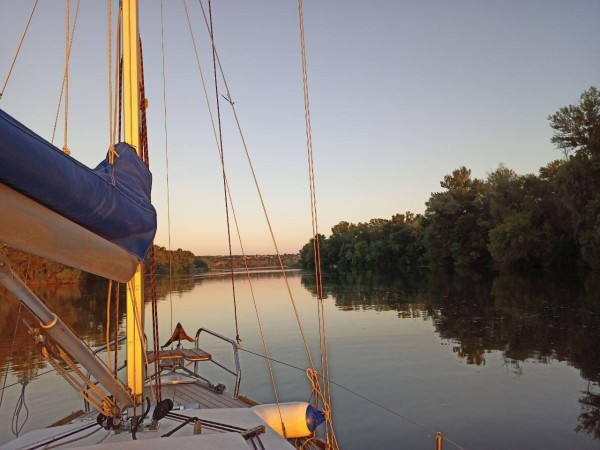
point(493, 361)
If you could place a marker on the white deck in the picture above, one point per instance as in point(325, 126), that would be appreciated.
point(199, 392)
point(98, 438)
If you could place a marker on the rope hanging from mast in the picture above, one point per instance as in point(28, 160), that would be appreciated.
point(62, 88)
point(259, 192)
point(111, 135)
point(233, 210)
point(152, 262)
point(162, 38)
point(67, 54)
point(325, 390)
point(212, 37)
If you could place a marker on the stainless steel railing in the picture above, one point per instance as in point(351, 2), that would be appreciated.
point(237, 372)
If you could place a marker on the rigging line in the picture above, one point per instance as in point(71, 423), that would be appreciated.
point(162, 35)
point(315, 226)
point(155, 335)
point(12, 347)
point(15, 427)
point(18, 382)
point(117, 71)
point(44, 441)
point(110, 109)
point(67, 53)
point(313, 210)
point(108, 325)
point(237, 332)
point(262, 334)
point(89, 396)
point(284, 273)
point(379, 405)
point(228, 190)
point(18, 49)
point(47, 447)
point(65, 74)
point(146, 159)
point(117, 301)
point(136, 314)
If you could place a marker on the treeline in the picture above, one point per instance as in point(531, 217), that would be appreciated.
point(549, 219)
point(181, 261)
point(35, 270)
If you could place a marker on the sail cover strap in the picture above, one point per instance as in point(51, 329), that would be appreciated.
point(110, 201)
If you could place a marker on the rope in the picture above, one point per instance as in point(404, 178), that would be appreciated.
point(18, 49)
point(237, 333)
point(15, 427)
point(373, 402)
point(131, 287)
point(284, 273)
point(36, 377)
point(162, 36)
point(111, 136)
point(90, 392)
point(117, 298)
point(155, 336)
point(12, 347)
point(117, 75)
point(108, 325)
point(67, 54)
point(262, 334)
point(65, 73)
point(120, 84)
point(326, 394)
point(154, 302)
point(232, 206)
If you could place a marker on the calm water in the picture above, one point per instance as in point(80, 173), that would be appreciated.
point(493, 361)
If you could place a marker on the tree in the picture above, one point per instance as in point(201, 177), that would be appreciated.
point(577, 127)
point(457, 221)
point(514, 241)
point(589, 238)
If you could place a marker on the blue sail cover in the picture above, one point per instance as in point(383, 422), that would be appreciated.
point(110, 201)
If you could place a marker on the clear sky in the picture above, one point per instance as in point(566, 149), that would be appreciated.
point(401, 92)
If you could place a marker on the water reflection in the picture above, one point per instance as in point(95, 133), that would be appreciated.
point(522, 317)
point(82, 307)
point(537, 316)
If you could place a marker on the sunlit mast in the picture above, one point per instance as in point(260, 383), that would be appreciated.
point(131, 122)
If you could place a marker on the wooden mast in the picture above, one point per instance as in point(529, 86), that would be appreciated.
point(131, 121)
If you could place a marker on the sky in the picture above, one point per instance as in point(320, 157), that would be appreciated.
point(401, 94)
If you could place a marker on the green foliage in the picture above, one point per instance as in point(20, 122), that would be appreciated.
point(36, 270)
point(180, 260)
point(458, 221)
point(590, 236)
point(509, 219)
point(514, 241)
point(378, 244)
point(577, 127)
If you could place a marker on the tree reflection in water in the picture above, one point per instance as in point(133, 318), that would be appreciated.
point(535, 316)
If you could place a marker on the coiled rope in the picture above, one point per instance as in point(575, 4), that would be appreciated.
point(16, 428)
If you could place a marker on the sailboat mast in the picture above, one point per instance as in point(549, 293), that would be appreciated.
point(131, 123)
